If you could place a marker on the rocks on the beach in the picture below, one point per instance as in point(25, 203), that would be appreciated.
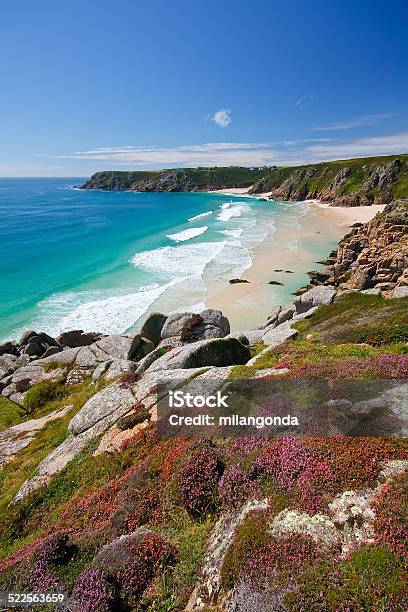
point(314, 297)
point(152, 327)
point(217, 352)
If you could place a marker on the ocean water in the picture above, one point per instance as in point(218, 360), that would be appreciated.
point(100, 261)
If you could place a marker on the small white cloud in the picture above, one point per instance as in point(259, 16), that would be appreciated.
point(365, 120)
point(303, 99)
point(222, 117)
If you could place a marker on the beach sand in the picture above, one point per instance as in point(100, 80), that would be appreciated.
point(248, 304)
point(343, 216)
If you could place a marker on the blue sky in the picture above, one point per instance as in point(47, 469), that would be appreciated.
point(103, 84)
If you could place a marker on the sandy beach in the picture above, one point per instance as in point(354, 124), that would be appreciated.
point(346, 216)
point(248, 304)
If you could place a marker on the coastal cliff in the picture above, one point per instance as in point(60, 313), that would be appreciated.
point(177, 179)
point(355, 182)
point(373, 256)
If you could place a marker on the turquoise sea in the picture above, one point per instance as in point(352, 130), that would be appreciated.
point(74, 259)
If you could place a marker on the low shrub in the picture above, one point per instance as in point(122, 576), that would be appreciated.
point(54, 550)
point(198, 480)
point(94, 591)
point(42, 393)
point(391, 522)
point(149, 556)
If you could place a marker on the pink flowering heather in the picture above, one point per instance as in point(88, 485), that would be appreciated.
point(246, 445)
point(94, 592)
point(237, 484)
point(198, 480)
point(391, 522)
point(316, 483)
point(291, 551)
point(285, 460)
point(151, 554)
point(379, 366)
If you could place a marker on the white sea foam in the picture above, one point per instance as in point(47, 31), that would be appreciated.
point(98, 310)
point(188, 234)
point(229, 212)
point(173, 261)
point(201, 215)
point(234, 233)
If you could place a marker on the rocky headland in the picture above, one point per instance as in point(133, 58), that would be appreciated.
point(355, 182)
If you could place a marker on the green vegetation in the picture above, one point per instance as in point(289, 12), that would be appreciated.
point(370, 579)
point(10, 413)
point(372, 178)
point(358, 175)
point(359, 318)
point(42, 393)
point(179, 179)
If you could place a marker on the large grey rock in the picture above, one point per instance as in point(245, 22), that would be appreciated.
point(153, 326)
point(254, 336)
point(400, 292)
point(109, 348)
point(218, 352)
point(26, 337)
point(111, 400)
point(77, 337)
point(190, 327)
point(25, 377)
point(119, 366)
point(279, 334)
point(314, 297)
point(100, 370)
point(15, 438)
point(285, 314)
point(139, 348)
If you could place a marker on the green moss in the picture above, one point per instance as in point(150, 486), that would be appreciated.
point(10, 413)
point(370, 579)
point(249, 537)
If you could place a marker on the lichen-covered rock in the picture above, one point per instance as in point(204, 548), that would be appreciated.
point(314, 297)
point(218, 352)
point(111, 400)
point(191, 327)
point(280, 334)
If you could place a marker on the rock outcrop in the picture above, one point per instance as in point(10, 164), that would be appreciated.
point(373, 255)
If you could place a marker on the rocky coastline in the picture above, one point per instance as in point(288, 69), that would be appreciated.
point(351, 318)
point(356, 182)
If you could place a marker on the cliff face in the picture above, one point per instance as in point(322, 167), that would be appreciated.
point(358, 182)
point(355, 182)
point(178, 179)
point(373, 255)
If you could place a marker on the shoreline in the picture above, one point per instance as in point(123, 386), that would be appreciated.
point(238, 301)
